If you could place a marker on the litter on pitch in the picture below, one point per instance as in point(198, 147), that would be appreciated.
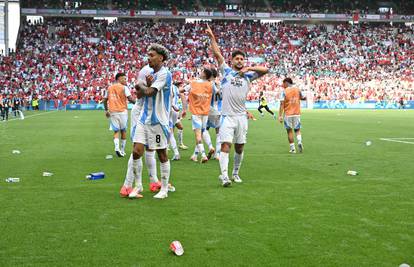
point(352, 173)
point(368, 143)
point(177, 248)
point(95, 176)
point(15, 151)
point(404, 265)
point(47, 174)
point(12, 180)
point(109, 157)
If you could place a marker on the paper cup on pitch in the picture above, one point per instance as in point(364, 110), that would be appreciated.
point(177, 248)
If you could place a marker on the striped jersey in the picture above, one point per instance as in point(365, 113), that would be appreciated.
point(156, 109)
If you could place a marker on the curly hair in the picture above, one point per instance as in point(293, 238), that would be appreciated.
point(161, 50)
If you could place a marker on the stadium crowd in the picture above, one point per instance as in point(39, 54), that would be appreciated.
point(74, 60)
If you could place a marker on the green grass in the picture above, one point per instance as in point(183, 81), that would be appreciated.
point(291, 210)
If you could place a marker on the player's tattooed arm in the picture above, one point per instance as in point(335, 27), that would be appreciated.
point(105, 103)
point(281, 111)
point(214, 46)
point(147, 90)
point(260, 70)
point(131, 100)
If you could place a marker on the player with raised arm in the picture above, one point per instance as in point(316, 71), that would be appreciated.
point(235, 85)
point(289, 112)
point(116, 109)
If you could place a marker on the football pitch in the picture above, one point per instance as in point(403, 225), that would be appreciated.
point(291, 209)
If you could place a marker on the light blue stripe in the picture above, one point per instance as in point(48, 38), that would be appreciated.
point(114, 128)
point(145, 113)
point(196, 125)
point(154, 119)
point(133, 132)
point(166, 131)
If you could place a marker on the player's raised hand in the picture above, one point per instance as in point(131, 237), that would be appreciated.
point(209, 32)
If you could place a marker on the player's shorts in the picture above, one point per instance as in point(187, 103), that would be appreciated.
point(174, 118)
point(199, 122)
point(135, 111)
point(152, 136)
point(292, 122)
point(118, 121)
point(233, 129)
point(213, 121)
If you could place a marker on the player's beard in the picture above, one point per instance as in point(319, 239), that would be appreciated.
point(238, 66)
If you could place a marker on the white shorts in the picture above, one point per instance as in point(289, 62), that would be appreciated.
point(134, 118)
point(233, 129)
point(153, 136)
point(292, 122)
point(213, 121)
point(199, 122)
point(174, 118)
point(119, 121)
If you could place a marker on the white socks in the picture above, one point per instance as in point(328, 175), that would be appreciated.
point(129, 178)
point(116, 143)
point(180, 137)
point(137, 167)
point(218, 144)
point(151, 166)
point(165, 175)
point(299, 138)
point(207, 139)
point(201, 149)
point(224, 163)
point(238, 158)
point(123, 143)
point(292, 146)
point(173, 144)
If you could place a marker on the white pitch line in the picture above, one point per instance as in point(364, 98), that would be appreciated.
point(400, 138)
point(396, 141)
point(30, 116)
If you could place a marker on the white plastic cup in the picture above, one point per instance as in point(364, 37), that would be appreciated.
point(177, 248)
point(47, 174)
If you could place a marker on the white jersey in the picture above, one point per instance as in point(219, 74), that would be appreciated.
point(175, 97)
point(156, 109)
point(234, 89)
point(216, 101)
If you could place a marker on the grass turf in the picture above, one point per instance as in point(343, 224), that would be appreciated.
point(291, 210)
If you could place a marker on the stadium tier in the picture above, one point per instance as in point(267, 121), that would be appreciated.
point(74, 60)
